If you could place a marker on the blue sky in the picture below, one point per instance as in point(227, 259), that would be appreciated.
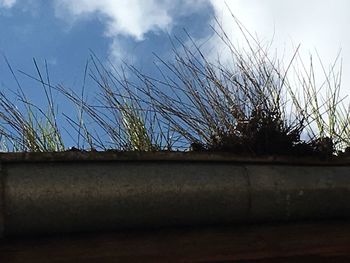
point(55, 31)
point(64, 31)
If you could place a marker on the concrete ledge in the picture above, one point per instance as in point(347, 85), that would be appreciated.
point(77, 192)
point(168, 156)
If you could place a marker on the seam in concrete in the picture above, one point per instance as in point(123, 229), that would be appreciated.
point(2, 200)
point(249, 191)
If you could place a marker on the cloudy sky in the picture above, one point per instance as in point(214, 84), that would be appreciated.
point(64, 32)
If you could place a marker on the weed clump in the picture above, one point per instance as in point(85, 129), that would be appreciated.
point(264, 133)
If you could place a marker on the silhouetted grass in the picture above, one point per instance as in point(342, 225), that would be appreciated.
point(32, 128)
point(247, 106)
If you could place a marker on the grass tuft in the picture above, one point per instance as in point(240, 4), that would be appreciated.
point(249, 106)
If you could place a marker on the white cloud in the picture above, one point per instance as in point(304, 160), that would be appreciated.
point(7, 3)
point(129, 18)
point(132, 18)
point(316, 25)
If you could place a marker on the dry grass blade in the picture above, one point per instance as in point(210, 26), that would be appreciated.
point(34, 129)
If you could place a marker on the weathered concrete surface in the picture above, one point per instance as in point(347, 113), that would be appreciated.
point(42, 197)
point(66, 197)
point(299, 192)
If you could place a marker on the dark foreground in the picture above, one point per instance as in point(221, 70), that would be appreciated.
point(297, 242)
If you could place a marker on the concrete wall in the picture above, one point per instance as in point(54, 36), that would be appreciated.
point(74, 195)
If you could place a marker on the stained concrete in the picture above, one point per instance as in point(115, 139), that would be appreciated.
point(44, 196)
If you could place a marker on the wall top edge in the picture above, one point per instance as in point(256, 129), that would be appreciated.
point(167, 156)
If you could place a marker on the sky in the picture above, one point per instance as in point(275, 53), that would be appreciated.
point(65, 32)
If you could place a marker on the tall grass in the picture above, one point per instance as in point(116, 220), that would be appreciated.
point(125, 121)
point(25, 126)
point(249, 106)
point(255, 105)
point(322, 106)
